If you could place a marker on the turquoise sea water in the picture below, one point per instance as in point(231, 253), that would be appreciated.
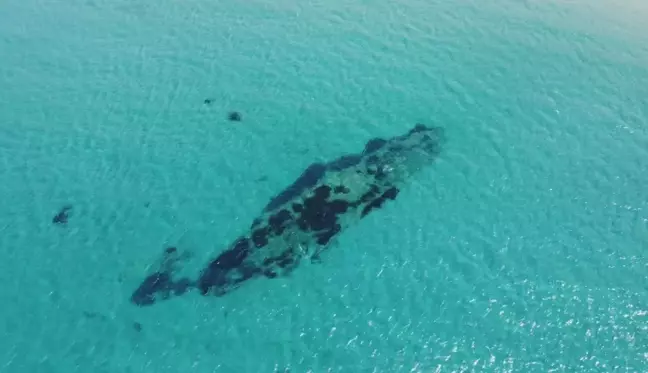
point(523, 249)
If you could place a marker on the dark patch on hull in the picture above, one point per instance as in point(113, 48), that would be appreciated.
point(160, 284)
point(303, 220)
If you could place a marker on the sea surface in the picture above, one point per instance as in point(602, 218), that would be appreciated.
point(523, 248)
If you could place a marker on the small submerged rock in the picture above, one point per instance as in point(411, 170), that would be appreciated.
point(234, 116)
point(63, 215)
